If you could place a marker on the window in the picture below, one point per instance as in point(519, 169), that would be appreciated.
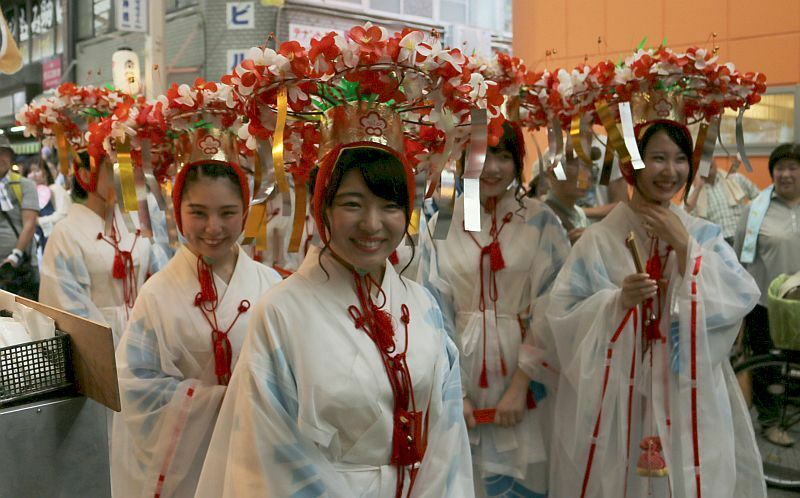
point(454, 11)
point(766, 124)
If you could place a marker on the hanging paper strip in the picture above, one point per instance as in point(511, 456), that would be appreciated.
point(62, 147)
point(169, 214)
point(416, 213)
point(261, 234)
point(540, 164)
point(446, 203)
point(740, 140)
point(257, 213)
point(556, 149)
point(257, 173)
point(117, 195)
point(614, 136)
point(576, 135)
point(126, 180)
point(608, 164)
point(476, 157)
point(702, 132)
point(277, 142)
point(299, 223)
point(708, 147)
point(629, 135)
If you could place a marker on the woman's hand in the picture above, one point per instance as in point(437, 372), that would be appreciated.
point(666, 224)
point(469, 416)
point(513, 404)
point(669, 228)
point(636, 288)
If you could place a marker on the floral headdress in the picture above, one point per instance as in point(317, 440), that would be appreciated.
point(661, 84)
point(61, 119)
point(288, 92)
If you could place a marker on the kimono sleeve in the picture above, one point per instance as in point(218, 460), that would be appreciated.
point(537, 356)
point(161, 435)
point(65, 282)
point(725, 290)
point(257, 448)
point(446, 469)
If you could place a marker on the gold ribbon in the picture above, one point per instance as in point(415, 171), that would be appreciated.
point(277, 142)
point(256, 173)
point(610, 124)
point(169, 214)
point(126, 179)
point(299, 224)
point(63, 149)
point(608, 163)
point(575, 135)
point(257, 213)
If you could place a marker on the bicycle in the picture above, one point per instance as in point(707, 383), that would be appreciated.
point(778, 405)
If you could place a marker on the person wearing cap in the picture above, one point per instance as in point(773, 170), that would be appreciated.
point(175, 359)
point(768, 244)
point(647, 403)
point(20, 207)
point(348, 384)
point(492, 288)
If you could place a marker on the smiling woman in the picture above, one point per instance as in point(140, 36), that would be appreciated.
point(348, 372)
point(185, 333)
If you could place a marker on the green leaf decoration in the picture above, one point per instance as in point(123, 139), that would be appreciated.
point(641, 44)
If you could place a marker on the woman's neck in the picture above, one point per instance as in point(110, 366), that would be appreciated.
point(637, 199)
point(96, 204)
point(790, 202)
point(222, 267)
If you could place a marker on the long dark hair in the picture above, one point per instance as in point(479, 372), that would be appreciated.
point(384, 175)
point(513, 142)
point(680, 136)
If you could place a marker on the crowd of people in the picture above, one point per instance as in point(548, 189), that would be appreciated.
point(536, 354)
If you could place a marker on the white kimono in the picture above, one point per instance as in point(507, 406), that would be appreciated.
point(533, 245)
point(585, 312)
point(168, 386)
point(76, 269)
point(309, 411)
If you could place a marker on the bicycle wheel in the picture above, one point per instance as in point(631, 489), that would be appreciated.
point(774, 403)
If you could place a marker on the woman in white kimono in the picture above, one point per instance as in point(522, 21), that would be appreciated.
point(492, 288)
point(648, 404)
point(88, 269)
point(184, 336)
point(348, 385)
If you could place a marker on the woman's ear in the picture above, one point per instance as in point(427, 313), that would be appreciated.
point(83, 175)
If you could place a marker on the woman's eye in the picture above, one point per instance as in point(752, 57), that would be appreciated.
point(393, 206)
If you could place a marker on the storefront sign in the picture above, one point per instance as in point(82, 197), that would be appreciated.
point(51, 73)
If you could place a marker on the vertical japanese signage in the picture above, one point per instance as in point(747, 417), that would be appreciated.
point(240, 15)
point(51, 73)
point(131, 15)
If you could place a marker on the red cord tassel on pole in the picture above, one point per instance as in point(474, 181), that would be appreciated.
point(484, 380)
point(118, 270)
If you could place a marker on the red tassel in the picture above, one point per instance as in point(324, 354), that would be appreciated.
point(496, 261)
point(484, 381)
point(503, 365)
point(383, 328)
point(207, 293)
point(393, 258)
point(118, 270)
point(222, 356)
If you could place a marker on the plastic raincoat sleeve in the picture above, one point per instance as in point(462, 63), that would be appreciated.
point(260, 449)
point(65, 282)
point(169, 418)
point(537, 355)
point(430, 278)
